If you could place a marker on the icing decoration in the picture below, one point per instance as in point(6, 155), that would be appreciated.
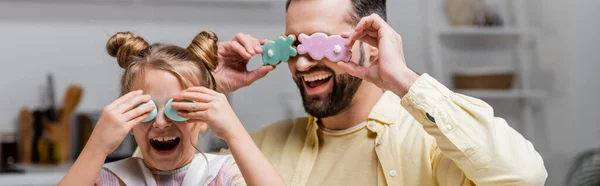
point(171, 113)
point(320, 45)
point(279, 50)
point(337, 49)
point(153, 113)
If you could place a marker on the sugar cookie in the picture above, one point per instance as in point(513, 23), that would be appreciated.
point(319, 45)
point(171, 113)
point(279, 50)
point(153, 113)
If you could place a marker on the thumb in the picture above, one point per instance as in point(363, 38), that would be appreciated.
point(258, 73)
point(353, 69)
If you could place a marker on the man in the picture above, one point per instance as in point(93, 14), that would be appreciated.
point(374, 121)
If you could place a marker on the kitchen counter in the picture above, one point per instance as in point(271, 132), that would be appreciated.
point(35, 175)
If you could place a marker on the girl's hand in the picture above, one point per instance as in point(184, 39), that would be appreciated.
point(210, 107)
point(117, 120)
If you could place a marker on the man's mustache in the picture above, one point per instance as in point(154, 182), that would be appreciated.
point(320, 68)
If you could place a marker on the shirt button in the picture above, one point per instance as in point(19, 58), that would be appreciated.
point(410, 109)
point(420, 99)
point(448, 127)
point(393, 173)
point(371, 124)
point(380, 141)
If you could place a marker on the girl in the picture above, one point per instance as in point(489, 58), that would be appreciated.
point(168, 97)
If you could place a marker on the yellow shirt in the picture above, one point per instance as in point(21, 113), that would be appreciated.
point(431, 136)
point(333, 167)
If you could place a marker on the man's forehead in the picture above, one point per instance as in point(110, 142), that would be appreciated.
point(330, 17)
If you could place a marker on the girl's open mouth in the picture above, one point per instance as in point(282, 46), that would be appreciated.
point(164, 144)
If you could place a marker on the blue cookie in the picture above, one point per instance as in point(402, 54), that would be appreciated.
point(153, 113)
point(172, 113)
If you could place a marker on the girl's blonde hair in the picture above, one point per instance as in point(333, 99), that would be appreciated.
point(192, 65)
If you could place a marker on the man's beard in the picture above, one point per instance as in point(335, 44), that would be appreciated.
point(336, 101)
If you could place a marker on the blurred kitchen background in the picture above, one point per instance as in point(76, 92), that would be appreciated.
point(535, 61)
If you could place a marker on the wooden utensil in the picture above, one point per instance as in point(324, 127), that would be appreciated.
point(61, 131)
point(25, 135)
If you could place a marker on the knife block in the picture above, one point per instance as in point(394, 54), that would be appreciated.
point(61, 130)
point(55, 144)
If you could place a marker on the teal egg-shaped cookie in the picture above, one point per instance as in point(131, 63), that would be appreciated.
point(171, 113)
point(153, 113)
point(279, 50)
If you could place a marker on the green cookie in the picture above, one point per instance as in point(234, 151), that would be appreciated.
point(279, 50)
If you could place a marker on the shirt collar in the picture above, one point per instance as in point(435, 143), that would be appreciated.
point(385, 111)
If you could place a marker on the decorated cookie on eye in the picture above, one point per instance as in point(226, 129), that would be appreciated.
point(169, 111)
point(280, 50)
point(319, 45)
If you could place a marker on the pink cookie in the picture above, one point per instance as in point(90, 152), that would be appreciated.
point(320, 45)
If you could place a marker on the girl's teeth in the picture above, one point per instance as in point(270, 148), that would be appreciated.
point(164, 138)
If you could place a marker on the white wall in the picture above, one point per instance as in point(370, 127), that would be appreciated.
point(569, 46)
point(68, 39)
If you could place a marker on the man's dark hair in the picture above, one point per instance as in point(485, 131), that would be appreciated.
point(363, 8)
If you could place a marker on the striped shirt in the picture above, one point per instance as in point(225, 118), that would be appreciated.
point(229, 174)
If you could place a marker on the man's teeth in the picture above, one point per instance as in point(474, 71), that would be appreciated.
point(316, 77)
point(164, 138)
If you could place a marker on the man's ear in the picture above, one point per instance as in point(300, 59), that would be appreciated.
point(373, 54)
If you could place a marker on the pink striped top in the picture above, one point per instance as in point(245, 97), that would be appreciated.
point(229, 174)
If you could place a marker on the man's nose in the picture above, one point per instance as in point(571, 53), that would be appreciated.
point(304, 63)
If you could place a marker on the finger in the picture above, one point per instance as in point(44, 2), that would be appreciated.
point(137, 120)
point(354, 69)
point(346, 34)
point(263, 41)
point(234, 49)
point(246, 42)
point(196, 96)
point(124, 98)
point(372, 33)
point(132, 102)
point(198, 115)
point(370, 40)
point(352, 39)
point(136, 112)
point(257, 46)
point(222, 50)
point(196, 106)
point(372, 22)
point(359, 36)
point(194, 121)
point(258, 73)
point(202, 90)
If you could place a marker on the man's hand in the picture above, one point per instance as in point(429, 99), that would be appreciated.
point(389, 70)
point(232, 72)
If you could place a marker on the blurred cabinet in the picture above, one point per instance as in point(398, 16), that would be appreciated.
point(489, 38)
